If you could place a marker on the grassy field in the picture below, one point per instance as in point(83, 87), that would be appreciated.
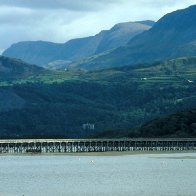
point(178, 71)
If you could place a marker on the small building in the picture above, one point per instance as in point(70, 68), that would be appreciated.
point(88, 126)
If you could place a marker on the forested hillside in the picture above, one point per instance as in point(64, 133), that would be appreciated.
point(11, 69)
point(178, 125)
point(181, 124)
point(59, 103)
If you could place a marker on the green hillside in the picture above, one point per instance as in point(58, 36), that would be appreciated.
point(59, 103)
point(11, 69)
point(16, 71)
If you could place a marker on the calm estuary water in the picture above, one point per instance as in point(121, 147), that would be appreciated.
point(137, 175)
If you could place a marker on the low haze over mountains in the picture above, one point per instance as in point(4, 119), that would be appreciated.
point(42, 53)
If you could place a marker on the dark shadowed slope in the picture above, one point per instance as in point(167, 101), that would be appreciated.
point(16, 69)
point(182, 124)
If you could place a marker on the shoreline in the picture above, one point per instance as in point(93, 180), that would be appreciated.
point(109, 153)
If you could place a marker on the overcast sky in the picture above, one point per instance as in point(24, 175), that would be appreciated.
point(61, 20)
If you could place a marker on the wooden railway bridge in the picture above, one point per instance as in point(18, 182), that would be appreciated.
point(95, 145)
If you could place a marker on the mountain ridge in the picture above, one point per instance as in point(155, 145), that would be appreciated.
point(174, 35)
point(41, 53)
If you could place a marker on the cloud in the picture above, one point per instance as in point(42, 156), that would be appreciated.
point(74, 5)
point(61, 20)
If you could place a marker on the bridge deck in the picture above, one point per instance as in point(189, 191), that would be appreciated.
point(93, 140)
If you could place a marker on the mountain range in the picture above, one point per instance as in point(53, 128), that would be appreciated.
point(174, 35)
point(42, 53)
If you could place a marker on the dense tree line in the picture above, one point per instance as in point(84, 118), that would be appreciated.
point(181, 124)
point(61, 109)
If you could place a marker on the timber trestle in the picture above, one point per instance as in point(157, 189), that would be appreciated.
point(95, 145)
